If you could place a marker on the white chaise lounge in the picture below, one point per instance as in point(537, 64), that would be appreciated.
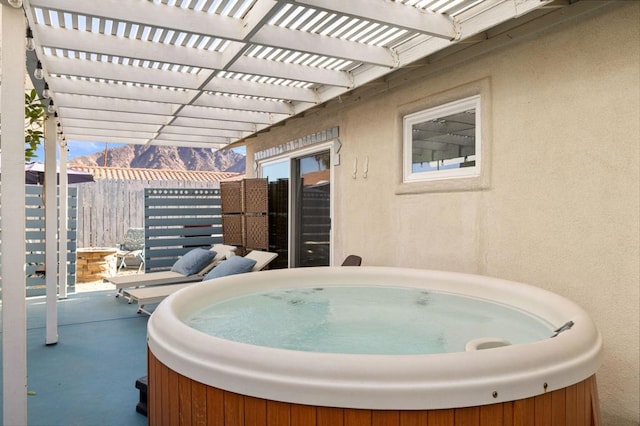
point(122, 282)
point(156, 294)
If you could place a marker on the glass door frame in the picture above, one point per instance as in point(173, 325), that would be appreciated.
point(290, 157)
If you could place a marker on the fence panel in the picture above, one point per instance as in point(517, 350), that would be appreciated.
point(35, 239)
point(177, 220)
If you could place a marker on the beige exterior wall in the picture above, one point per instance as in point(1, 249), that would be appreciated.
point(561, 207)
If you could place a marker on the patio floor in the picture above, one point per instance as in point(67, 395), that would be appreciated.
point(88, 377)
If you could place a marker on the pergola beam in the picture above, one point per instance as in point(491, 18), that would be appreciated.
point(55, 38)
point(153, 15)
point(197, 139)
point(125, 73)
point(231, 115)
point(101, 124)
point(390, 13)
point(291, 71)
point(122, 134)
point(71, 112)
point(119, 91)
point(316, 44)
point(186, 134)
point(115, 105)
point(262, 90)
point(212, 124)
point(206, 145)
point(258, 16)
point(244, 104)
point(107, 139)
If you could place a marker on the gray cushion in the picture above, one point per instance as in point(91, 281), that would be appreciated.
point(193, 261)
point(231, 266)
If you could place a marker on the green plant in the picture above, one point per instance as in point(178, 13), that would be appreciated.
point(34, 123)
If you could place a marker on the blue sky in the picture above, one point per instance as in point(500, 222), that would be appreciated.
point(79, 149)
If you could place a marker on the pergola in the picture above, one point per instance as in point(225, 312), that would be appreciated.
point(207, 73)
point(196, 73)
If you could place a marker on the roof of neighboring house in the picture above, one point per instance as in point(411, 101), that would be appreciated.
point(124, 173)
point(314, 178)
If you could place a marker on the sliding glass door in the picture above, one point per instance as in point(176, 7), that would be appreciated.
point(300, 209)
point(312, 203)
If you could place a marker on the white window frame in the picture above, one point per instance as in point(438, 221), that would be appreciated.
point(433, 113)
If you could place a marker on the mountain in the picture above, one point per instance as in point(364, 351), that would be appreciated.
point(166, 157)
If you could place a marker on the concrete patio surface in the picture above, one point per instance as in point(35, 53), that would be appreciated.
point(88, 377)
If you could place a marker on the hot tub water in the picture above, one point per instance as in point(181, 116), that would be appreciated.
point(366, 320)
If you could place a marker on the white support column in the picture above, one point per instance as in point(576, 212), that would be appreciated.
point(12, 211)
point(51, 230)
point(62, 217)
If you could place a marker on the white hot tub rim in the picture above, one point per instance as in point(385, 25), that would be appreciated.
point(400, 382)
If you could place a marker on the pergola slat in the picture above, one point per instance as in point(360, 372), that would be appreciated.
point(390, 13)
point(231, 68)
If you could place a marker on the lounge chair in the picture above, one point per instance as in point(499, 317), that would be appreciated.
point(169, 277)
point(156, 294)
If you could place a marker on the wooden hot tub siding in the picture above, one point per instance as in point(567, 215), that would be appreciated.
point(178, 400)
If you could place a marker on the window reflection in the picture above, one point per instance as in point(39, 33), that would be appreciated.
point(443, 141)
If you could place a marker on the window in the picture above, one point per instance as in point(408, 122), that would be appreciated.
point(442, 142)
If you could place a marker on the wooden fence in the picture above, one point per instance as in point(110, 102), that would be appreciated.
point(107, 208)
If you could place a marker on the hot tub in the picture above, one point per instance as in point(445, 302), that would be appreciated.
point(192, 373)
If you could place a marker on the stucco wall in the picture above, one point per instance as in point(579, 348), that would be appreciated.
point(561, 209)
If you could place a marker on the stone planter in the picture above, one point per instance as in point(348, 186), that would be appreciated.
point(95, 263)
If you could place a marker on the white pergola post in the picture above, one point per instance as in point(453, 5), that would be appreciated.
point(62, 215)
point(12, 211)
point(51, 231)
